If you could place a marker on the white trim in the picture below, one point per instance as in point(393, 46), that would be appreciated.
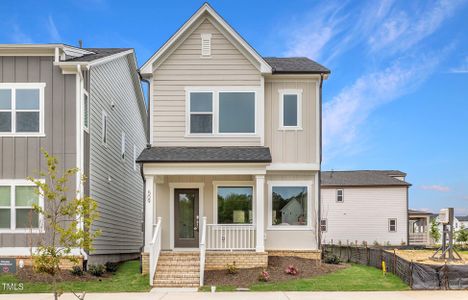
point(318, 116)
point(217, 184)
point(280, 183)
point(205, 168)
point(13, 86)
point(85, 109)
point(12, 184)
point(206, 45)
point(104, 129)
point(183, 185)
point(151, 109)
point(123, 146)
point(263, 66)
point(260, 115)
point(215, 90)
point(260, 213)
point(298, 94)
point(293, 167)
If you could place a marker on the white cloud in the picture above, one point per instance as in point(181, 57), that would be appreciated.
point(19, 37)
point(463, 68)
point(435, 187)
point(53, 31)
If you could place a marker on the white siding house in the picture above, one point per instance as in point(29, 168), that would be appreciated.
point(364, 207)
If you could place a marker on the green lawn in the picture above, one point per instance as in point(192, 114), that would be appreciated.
point(354, 278)
point(126, 279)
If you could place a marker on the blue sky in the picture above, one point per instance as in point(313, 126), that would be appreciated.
point(397, 96)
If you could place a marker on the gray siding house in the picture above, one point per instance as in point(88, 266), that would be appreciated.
point(86, 107)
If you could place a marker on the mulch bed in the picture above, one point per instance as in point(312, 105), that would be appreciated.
point(28, 275)
point(276, 266)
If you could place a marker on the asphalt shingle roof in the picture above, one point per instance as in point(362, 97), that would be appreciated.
point(295, 65)
point(419, 212)
point(205, 154)
point(462, 218)
point(362, 178)
point(98, 53)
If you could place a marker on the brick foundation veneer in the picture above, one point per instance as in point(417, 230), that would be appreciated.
point(64, 264)
point(217, 260)
point(145, 263)
point(308, 254)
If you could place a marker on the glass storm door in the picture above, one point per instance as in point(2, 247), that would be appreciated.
point(186, 219)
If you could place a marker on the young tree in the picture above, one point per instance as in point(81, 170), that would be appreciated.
point(434, 232)
point(62, 215)
point(462, 235)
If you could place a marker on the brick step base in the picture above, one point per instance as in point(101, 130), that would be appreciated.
point(178, 269)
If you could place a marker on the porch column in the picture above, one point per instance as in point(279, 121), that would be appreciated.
point(260, 212)
point(150, 192)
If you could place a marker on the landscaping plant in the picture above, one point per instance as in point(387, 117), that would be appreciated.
point(232, 268)
point(291, 270)
point(462, 235)
point(76, 271)
point(96, 270)
point(434, 232)
point(63, 213)
point(111, 267)
point(332, 258)
point(264, 276)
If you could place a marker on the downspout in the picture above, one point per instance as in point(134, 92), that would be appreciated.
point(148, 145)
point(320, 167)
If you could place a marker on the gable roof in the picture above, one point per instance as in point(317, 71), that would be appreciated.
point(205, 154)
point(419, 212)
point(362, 178)
point(264, 67)
point(295, 65)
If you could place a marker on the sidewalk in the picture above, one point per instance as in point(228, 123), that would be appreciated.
point(161, 295)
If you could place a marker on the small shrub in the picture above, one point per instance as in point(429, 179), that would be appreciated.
point(264, 276)
point(376, 243)
point(232, 268)
point(111, 267)
point(76, 271)
point(291, 270)
point(96, 270)
point(332, 259)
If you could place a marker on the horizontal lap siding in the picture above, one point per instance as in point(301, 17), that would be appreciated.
point(120, 200)
point(20, 157)
point(364, 214)
point(185, 67)
point(290, 146)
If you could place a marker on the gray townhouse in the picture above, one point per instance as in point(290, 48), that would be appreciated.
point(86, 107)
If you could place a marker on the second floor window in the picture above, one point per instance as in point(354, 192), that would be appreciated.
point(290, 109)
point(221, 112)
point(339, 196)
point(21, 109)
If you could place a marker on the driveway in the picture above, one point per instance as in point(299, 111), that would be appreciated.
point(178, 295)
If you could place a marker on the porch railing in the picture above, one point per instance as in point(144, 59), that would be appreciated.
point(230, 237)
point(202, 251)
point(155, 250)
point(418, 238)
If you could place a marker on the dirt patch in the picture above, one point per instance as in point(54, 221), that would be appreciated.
point(276, 266)
point(423, 256)
point(28, 275)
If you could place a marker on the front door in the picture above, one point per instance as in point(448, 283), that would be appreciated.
point(186, 219)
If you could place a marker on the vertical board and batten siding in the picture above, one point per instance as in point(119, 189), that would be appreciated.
point(364, 214)
point(185, 67)
point(291, 146)
point(21, 157)
point(120, 199)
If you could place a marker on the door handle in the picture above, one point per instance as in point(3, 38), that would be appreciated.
point(197, 224)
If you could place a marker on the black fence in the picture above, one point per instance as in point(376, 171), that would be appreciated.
point(418, 276)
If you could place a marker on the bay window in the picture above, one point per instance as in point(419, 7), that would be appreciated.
point(234, 204)
point(21, 109)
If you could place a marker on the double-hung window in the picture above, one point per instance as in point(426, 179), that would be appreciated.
point(221, 112)
point(339, 196)
point(234, 204)
point(17, 198)
point(21, 109)
point(290, 205)
point(290, 109)
point(392, 225)
point(323, 225)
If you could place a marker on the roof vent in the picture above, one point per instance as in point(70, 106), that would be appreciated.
point(206, 44)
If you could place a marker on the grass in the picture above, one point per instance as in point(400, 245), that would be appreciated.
point(126, 279)
point(354, 278)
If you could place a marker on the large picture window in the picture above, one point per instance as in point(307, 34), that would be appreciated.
point(221, 112)
point(289, 205)
point(235, 204)
point(21, 109)
point(17, 198)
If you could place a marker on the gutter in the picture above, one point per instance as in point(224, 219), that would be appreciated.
point(319, 234)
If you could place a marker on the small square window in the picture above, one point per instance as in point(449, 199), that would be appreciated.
point(339, 196)
point(323, 225)
point(392, 225)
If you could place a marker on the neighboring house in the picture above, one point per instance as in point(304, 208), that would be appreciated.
point(463, 221)
point(419, 227)
point(85, 107)
point(458, 224)
point(364, 206)
point(229, 130)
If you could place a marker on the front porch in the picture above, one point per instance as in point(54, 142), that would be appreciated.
point(419, 226)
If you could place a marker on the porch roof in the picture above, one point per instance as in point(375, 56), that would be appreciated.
point(205, 155)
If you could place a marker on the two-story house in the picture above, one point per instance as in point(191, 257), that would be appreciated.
point(85, 107)
point(232, 170)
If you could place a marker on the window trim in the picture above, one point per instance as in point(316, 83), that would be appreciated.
point(24, 85)
point(123, 145)
point(12, 183)
point(104, 128)
point(389, 225)
point(217, 184)
point(189, 112)
point(342, 196)
point(86, 109)
point(282, 93)
point(215, 114)
point(321, 225)
point(279, 183)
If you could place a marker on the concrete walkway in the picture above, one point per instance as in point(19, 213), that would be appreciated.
point(178, 295)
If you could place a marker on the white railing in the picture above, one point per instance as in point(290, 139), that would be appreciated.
point(418, 238)
point(202, 251)
point(230, 237)
point(155, 250)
